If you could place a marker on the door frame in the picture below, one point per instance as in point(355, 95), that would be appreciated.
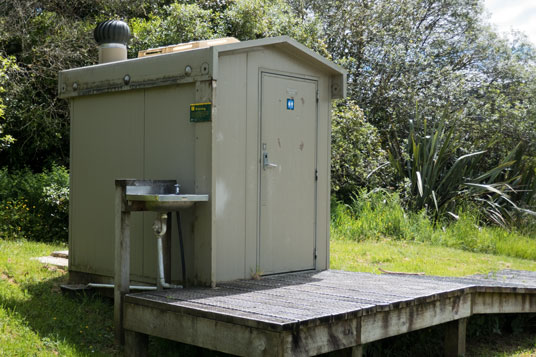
point(299, 77)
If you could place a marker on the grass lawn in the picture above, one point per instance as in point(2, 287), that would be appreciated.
point(402, 256)
point(37, 319)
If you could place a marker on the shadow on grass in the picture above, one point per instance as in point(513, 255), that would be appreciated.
point(81, 322)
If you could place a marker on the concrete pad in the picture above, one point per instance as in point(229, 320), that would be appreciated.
point(61, 262)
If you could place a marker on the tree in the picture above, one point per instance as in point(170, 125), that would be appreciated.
point(48, 36)
point(42, 43)
point(357, 159)
point(417, 57)
point(244, 19)
point(6, 64)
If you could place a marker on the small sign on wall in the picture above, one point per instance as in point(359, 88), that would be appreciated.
point(290, 103)
point(200, 112)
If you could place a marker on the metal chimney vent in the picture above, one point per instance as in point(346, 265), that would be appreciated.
point(112, 37)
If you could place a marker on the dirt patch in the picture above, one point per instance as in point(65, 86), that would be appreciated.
point(54, 268)
point(6, 277)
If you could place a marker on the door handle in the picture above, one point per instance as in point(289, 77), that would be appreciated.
point(266, 162)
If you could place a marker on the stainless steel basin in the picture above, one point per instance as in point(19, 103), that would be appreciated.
point(159, 201)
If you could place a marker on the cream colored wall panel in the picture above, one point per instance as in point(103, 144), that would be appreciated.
point(323, 187)
point(107, 137)
point(204, 252)
point(229, 141)
point(169, 154)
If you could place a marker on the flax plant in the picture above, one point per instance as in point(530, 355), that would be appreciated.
point(440, 181)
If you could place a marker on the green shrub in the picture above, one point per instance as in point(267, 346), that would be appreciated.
point(441, 177)
point(466, 234)
point(14, 219)
point(370, 215)
point(34, 206)
point(379, 214)
point(357, 159)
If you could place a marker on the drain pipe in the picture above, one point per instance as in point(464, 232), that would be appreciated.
point(112, 37)
point(160, 228)
point(132, 287)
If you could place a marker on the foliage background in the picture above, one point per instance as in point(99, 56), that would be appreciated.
point(34, 206)
point(437, 62)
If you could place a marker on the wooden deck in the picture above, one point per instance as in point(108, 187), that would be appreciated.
point(309, 313)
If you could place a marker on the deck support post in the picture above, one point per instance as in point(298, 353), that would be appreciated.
point(136, 344)
point(122, 258)
point(455, 338)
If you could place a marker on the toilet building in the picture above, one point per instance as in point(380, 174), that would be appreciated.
point(247, 123)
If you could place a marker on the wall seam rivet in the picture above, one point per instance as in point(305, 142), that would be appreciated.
point(188, 70)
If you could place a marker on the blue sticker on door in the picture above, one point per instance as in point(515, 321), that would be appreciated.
point(290, 104)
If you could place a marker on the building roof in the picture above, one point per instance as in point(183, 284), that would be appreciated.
point(168, 69)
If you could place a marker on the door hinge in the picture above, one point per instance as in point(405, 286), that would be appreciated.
point(317, 96)
point(316, 175)
point(314, 253)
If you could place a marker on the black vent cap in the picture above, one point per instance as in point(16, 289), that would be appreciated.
point(112, 31)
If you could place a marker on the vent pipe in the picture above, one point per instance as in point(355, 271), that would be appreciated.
point(112, 37)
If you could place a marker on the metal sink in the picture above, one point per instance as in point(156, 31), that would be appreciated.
point(158, 198)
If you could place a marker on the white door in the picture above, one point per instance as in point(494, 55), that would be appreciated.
point(288, 174)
